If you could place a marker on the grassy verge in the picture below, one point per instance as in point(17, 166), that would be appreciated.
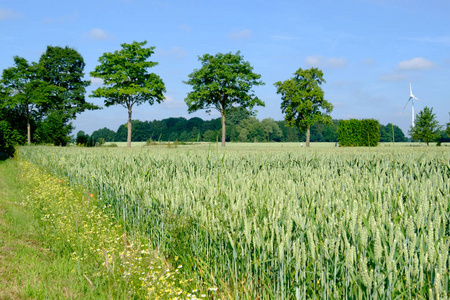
point(56, 243)
point(28, 267)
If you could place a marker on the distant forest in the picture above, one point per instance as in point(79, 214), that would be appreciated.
point(241, 127)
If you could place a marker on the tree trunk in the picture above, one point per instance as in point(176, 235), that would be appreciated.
point(28, 126)
point(129, 128)
point(223, 130)
point(307, 136)
point(29, 132)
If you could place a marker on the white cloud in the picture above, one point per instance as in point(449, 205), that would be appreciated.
point(336, 62)
point(392, 77)
point(314, 61)
point(369, 62)
point(416, 63)
point(171, 103)
point(330, 62)
point(98, 34)
point(174, 52)
point(6, 14)
point(240, 35)
point(96, 81)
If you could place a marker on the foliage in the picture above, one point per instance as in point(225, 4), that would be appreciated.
point(100, 141)
point(321, 132)
point(82, 138)
point(10, 136)
point(426, 126)
point(271, 130)
point(105, 133)
point(358, 133)
point(48, 93)
point(24, 90)
point(224, 81)
point(8, 140)
point(386, 133)
point(54, 129)
point(45, 96)
point(240, 127)
point(63, 68)
point(126, 79)
point(210, 136)
point(286, 223)
point(303, 100)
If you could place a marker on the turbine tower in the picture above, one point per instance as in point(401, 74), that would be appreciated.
point(411, 98)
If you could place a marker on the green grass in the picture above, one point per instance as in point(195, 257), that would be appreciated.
point(27, 268)
point(31, 267)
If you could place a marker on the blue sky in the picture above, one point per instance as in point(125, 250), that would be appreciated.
point(369, 50)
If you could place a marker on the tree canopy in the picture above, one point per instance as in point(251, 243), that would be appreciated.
point(25, 91)
point(224, 81)
point(426, 126)
point(303, 100)
point(43, 97)
point(386, 134)
point(126, 80)
point(64, 69)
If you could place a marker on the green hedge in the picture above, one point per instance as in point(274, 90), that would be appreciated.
point(358, 133)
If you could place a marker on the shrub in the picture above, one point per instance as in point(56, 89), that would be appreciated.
point(8, 140)
point(357, 133)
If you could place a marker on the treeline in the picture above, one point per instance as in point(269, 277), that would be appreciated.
point(38, 100)
point(241, 127)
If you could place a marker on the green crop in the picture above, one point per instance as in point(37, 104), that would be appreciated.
point(290, 223)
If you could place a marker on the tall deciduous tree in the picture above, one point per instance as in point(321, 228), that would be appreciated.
point(63, 68)
point(25, 91)
point(223, 81)
point(126, 79)
point(303, 100)
point(426, 126)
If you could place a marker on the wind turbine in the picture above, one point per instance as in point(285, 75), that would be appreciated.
point(411, 98)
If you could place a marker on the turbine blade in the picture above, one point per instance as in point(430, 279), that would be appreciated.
point(407, 102)
point(416, 98)
point(410, 89)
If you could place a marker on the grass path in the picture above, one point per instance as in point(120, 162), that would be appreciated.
point(28, 268)
point(56, 244)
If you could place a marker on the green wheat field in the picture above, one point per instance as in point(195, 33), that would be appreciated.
point(280, 221)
